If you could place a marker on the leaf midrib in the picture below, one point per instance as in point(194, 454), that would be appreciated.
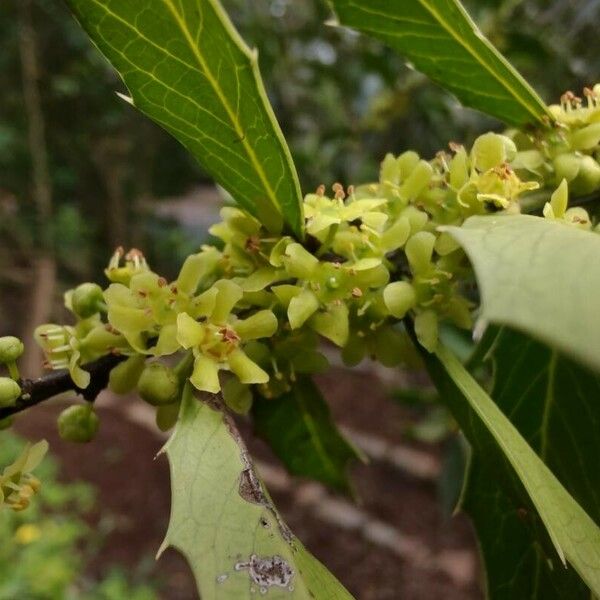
point(476, 56)
point(230, 113)
point(314, 435)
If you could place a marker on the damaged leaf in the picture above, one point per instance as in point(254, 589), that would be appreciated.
point(223, 521)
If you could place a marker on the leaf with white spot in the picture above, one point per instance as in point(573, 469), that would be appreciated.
point(224, 522)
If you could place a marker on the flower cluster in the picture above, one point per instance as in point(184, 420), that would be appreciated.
point(250, 311)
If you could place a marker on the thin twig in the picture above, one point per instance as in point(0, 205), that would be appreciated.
point(43, 388)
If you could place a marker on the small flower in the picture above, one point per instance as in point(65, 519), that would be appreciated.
point(217, 339)
point(17, 484)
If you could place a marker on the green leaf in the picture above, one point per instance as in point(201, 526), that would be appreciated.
point(554, 404)
point(441, 40)
point(515, 466)
point(299, 428)
point(224, 522)
point(187, 68)
point(539, 277)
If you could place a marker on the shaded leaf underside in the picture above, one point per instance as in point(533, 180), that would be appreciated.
point(554, 404)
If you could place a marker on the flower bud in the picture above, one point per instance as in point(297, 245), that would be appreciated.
point(78, 423)
point(125, 376)
point(11, 349)
point(491, 150)
point(86, 300)
point(399, 298)
point(158, 384)
point(588, 178)
point(566, 166)
point(10, 390)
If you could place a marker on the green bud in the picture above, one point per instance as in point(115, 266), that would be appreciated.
point(419, 250)
point(10, 390)
point(86, 300)
point(158, 384)
point(124, 377)
point(588, 178)
point(399, 298)
point(78, 423)
point(491, 150)
point(11, 349)
point(566, 166)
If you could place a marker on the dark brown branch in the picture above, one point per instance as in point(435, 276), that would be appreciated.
point(36, 391)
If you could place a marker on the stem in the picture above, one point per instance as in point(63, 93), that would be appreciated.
point(35, 391)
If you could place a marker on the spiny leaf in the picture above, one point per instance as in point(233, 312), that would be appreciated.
point(187, 68)
point(540, 277)
point(223, 521)
point(299, 428)
point(553, 403)
point(505, 453)
point(442, 41)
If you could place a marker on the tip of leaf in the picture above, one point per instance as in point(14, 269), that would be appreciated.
point(125, 98)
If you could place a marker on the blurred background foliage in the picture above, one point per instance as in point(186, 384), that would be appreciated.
point(46, 550)
point(343, 101)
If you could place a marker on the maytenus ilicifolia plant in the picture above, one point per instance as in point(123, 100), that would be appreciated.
point(379, 270)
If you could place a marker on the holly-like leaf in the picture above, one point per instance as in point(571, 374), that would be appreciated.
point(187, 68)
point(554, 404)
point(299, 428)
point(559, 521)
point(442, 41)
point(223, 520)
point(539, 277)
